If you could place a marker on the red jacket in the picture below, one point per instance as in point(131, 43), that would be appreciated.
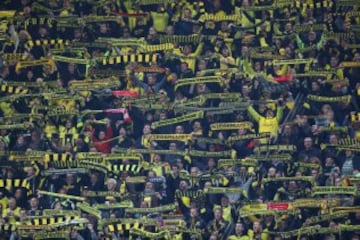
point(104, 147)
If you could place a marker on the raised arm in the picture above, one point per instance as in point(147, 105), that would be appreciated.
point(279, 110)
point(253, 113)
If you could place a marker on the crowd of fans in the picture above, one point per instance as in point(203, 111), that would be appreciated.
point(242, 52)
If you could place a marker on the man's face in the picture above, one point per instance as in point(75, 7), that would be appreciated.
point(103, 28)
point(287, 129)
point(308, 142)
point(71, 68)
point(149, 186)
point(245, 90)
point(239, 228)
point(93, 178)
point(333, 62)
point(200, 88)
point(122, 132)
point(70, 179)
point(348, 153)
point(272, 172)
point(312, 36)
point(356, 57)
point(241, 131)
point(256, 226)
point(30, 171)
point(288, 27)
point(244, 50)
point(314, 173)
point(34, 202)
point(224, 202)
point(68, 124)
point(17, 194)
point(20, 140)
point(157, 158)
point(262, 108)
point(162, 116)
point(197, 126)
point(194, 172)
point(102, 135)
point(314, 86)
point(211, 162)
point(12, 203)
point(170, 30)
point(225, 52)
point(172, 146)
point(179, 130)
point(329, 161)
point(333, 139)
point(152, 31)
point(292, 185)
point(184, 65)
point(187, 13)
point(111, 185)
point(257, 66)
point(147, 129)
point(175, 168)
point(269, 113)
point(193, 212)
point(151, 80)
point(218, 214)
point(183, 185)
